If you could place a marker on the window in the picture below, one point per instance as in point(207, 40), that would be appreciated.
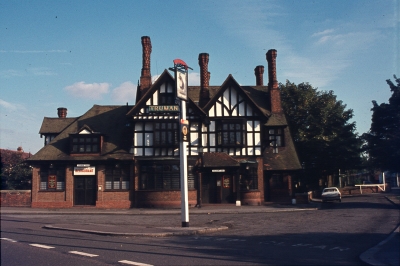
point(162, 176)
point(166, 98)
point(166, 134)
point(249, 180)
point(52, 178)
point(85, 143)
point(230, 133)
point(166, 95)
point(48, 139)
point(117, 177)
point(275, 137)
point(279, 181)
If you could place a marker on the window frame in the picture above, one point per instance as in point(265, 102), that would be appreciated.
point(78, 140)
point(166, 98)
point(163, 176)
point(117, 174)
point(57, 174)
point(225, 134)
point(276, 138)
point(167, 136)
point(249, 179)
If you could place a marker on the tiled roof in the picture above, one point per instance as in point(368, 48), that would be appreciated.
point(218, 159)
point(110, 121)
point(285, 159)
point(54, 125)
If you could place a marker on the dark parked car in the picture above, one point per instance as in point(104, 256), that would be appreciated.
point(331, 194)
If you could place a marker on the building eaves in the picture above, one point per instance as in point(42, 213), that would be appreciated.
point(110, 121)
point(218, 159)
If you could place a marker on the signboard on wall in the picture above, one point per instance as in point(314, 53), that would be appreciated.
point(227, 181)
point(163, 108)
point(185, 130)
point(181, 85)
point(85, 170)
point(52, 182)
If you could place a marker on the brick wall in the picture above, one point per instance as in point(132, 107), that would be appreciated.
point(52, 199)
point(250, 198)
point(15, 198)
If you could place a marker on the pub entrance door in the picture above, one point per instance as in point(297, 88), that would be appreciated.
point(85, 190)
point(217, 188)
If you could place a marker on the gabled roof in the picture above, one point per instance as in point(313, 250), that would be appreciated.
point(218, 159)
point(54, 125)
point(110, 121)
point(256, 95)
point(164, 77)
point(86, 128)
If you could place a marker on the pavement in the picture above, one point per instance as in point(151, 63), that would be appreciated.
point(385, 253)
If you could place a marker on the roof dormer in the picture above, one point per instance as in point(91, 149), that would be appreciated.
point(86, 141)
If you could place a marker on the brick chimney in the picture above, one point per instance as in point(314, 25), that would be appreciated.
point(62, 112)
point(273, 87)
point(259, 71)
point(204, 79)
point(145, 78)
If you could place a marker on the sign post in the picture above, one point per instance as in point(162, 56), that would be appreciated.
point(181, 79)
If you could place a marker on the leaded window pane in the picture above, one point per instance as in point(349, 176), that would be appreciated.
point(117, 178)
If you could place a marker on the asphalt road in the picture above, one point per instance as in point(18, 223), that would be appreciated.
point(335, 234)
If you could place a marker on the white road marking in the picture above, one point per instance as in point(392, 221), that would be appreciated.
point(41, 246)
point(8, 239)
point(134, 263)
point(83, 253)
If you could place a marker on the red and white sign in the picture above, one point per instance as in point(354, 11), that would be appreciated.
point(85, 170)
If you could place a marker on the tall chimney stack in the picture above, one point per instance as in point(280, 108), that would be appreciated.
point(259, 71)
point(273, 87)
point(204, 79)
point(145, 78)
point(62, 112)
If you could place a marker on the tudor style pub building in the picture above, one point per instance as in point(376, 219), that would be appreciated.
point(239, 146)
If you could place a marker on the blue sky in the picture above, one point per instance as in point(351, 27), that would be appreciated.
point(75, 54)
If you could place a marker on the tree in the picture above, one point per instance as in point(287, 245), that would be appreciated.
point(383, 138)
point(15, 172)
point(320, 125)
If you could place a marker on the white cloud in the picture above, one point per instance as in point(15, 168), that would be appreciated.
point(319, 72)
point(324, 32)
point(251, 22)
point(32, 51)
point(9, 106)
point(88, 90)
point(36, 71)
point(194, 79)
point(346, 41)
point(41, 71)
point(10, 73)
point(154, 78)
point(126, 92)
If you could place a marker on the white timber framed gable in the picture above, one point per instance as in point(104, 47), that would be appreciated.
point(156, 122)
point(235, 124)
